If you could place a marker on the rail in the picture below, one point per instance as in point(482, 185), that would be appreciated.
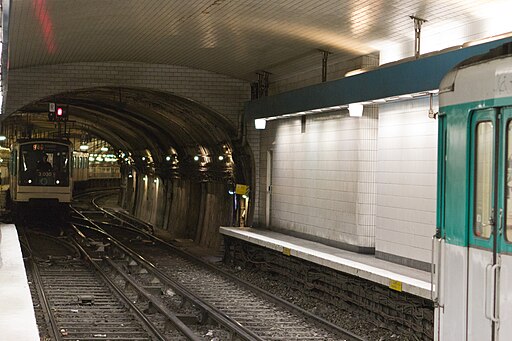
point(272, 298)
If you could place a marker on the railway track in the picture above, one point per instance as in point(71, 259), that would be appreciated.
point(79, 302)
point(186, 278)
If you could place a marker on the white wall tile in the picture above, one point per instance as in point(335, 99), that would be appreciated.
point(406, 179)
point(325, 177)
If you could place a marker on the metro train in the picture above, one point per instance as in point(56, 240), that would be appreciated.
point(472, 249)
point(80, 167)
point(40, 170)
point(49, 169)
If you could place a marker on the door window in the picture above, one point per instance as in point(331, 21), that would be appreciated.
point(508, 185)
point(483, 179)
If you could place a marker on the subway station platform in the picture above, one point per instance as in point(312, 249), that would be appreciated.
point(395, 276)
point(17, 318)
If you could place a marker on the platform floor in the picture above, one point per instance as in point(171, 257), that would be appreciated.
point(17, 318)
point(395, 276)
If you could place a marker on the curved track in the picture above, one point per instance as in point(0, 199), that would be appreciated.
point(258, 312)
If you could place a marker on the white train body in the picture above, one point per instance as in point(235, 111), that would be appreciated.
point(40, 169)
point(473, 248)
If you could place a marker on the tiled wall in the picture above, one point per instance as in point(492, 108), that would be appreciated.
point(369, 182)
point(221, 93)
point(323, 179)
point(406, 180)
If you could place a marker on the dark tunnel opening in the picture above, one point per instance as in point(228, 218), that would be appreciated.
point(179, 160)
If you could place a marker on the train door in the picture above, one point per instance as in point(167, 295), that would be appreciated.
point(486, 303)
point(502, 270)
point(482, 224)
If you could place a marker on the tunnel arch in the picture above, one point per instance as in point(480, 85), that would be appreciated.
point(151, 126)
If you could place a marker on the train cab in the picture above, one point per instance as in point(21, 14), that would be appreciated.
point(41, 170)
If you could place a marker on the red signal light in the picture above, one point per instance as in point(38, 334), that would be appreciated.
point(60, 112)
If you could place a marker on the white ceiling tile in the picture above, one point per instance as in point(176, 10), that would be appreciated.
point(240, 37)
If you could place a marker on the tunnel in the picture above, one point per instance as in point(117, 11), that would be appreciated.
point(179, 159)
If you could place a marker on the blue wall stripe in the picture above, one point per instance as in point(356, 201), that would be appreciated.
point(399, 79)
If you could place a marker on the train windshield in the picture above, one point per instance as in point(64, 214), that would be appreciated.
point(44, 164)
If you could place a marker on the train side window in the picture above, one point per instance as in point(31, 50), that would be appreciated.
point(483, 181)
point(508, 185)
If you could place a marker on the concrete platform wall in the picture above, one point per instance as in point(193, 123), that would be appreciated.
point(180, 208)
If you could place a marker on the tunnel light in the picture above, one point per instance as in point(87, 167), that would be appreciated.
point(143, 158)
point(29, 181)
point(355, 109)
point(130, 176)
point(245, 196)
point(196, 157)
point(3, 137)
point(57, 182)
point(260, 123)
point(104, 149)
point(84, 147)
point(167, 158)
point(221, 157)
point(231, 192)
point(145, 178)
point(155, 181)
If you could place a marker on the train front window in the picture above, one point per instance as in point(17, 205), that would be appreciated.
point(483, 179)
point(44, 164)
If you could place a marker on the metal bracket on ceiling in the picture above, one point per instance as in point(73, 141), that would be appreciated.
point(325, 56)
point(431, 113)
point(263, 83)
point(417, 34)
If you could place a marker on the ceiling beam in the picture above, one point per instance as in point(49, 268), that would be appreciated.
point(423, 74)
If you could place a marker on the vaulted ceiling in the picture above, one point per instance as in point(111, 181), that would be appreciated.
point(239, 38)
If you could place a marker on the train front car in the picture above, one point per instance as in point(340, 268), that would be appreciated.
point(473, 247)
point(40, 171)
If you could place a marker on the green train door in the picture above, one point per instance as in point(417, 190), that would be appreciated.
point(490, 214)
point(502, 269)
point(483, 208)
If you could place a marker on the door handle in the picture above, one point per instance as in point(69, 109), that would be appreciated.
point(434, 269)
point(490, 285)
point(494, 275)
